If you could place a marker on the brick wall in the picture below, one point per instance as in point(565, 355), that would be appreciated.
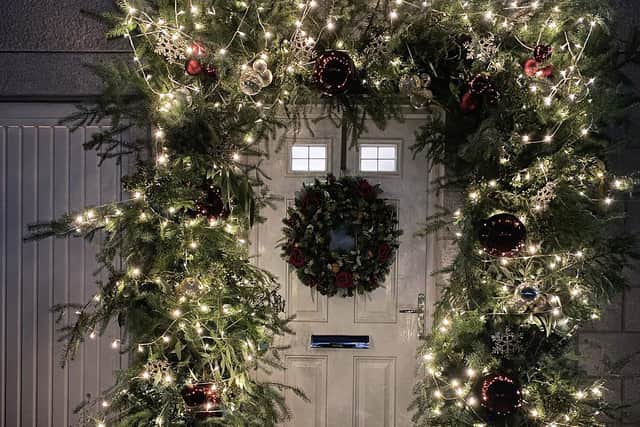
point(615, 339)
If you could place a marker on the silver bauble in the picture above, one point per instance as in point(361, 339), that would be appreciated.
point(260, 66)
point(251, 82)
point(409, 83)
point(420, 98)
point(267, 78)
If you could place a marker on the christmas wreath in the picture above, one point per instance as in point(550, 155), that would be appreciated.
point(341, 237)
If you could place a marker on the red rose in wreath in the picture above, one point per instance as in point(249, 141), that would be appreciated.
point(309, 202)
point(296, 258)
point(344, 280)
point(365, 189)
point(293, 220)
point(384, 252)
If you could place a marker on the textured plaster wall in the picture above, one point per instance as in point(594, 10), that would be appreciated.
point(44, 44)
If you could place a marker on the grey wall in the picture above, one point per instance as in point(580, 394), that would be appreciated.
point(616, 338)
point(44, 43)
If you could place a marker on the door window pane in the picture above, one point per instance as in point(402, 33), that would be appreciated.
point(308, 158)
point(379, 158)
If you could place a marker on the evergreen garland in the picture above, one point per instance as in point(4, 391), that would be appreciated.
point(526, 87)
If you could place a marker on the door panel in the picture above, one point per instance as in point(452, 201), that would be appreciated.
point(44, 173)
point(353, 388)
point(309, 373)
point(375, 383)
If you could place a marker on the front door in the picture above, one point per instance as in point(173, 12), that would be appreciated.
point(348, 387)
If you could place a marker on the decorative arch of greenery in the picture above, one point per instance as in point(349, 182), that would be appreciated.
point(527, 87)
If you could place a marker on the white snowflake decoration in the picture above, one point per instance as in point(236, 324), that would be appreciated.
point(545, 196)
point(506, 343)
point(302, 47)
point(483, 49)
point(378, 49)
point(173, 50)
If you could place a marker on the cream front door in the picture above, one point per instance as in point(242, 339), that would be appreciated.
point(353, 387)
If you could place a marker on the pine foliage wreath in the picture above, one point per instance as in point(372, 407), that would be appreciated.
point(341, 236)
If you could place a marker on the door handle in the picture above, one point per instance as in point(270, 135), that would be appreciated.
point(419, 309)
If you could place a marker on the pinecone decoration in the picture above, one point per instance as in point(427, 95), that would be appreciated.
point(174, 51)
point(545, 196)
point(378, 49)
point(157, 370)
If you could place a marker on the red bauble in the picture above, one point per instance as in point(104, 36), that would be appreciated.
point(193, 67)
point(469, 103)
point(210, 205)
point(202, 399)
point(502, 235)
point(500, 395)
point(197, 49)
point(542, 52)
point(334, 72)
point(531, 67)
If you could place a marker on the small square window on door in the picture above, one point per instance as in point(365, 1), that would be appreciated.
point(379, 158)
point(308, 158)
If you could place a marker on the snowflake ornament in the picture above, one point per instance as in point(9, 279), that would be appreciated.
point(172, 50)
point(483, 49)
point(302, 47)
point(378, 49)
point(506, 343)
point(545, 196)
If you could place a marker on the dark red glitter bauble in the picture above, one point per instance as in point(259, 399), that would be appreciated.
point(500, 395)
point(210, 204)
point(479, 84)
point(502, 235)
point(211, 72)
point(542, 52)
point(334, 72)
point(202, 399)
